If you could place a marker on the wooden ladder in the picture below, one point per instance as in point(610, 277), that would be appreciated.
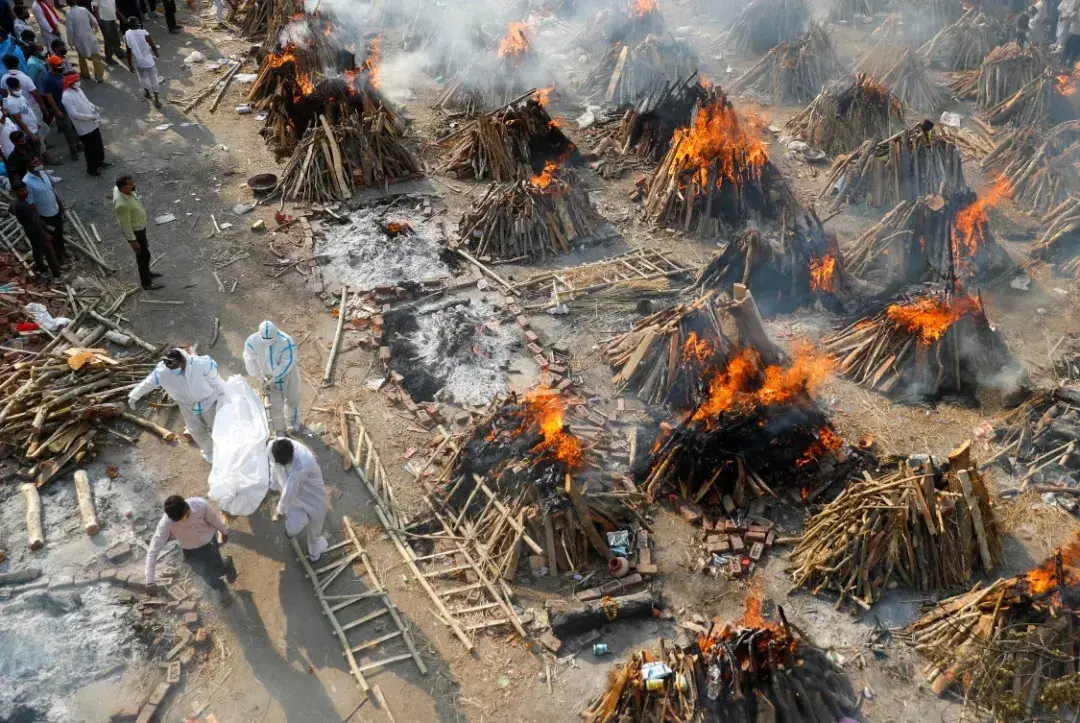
point(575, 281)
point(346, 585)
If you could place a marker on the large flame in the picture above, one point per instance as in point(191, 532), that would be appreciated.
point(543, 95)
point(969, 232)
point(822, 272)
point(515, 43)
point(371, 63)
point(827, 441)
point(1044, 577)
point(549, 409)
point(931, 316)
point(697, 349)
point(287, 55)
point(544, 179)
point(1066, 83)
point(641, 8)
point(715, 142)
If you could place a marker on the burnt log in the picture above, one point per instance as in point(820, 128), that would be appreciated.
point(594, 615)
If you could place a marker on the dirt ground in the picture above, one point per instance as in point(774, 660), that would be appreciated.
point(276, 657)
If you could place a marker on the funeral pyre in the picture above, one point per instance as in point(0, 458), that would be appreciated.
point(764, 24)
point(264, 19)
point(1040, 440)
point(905, 75)
point(924, 526)
point(794, 70)
point(628, 71)
point(933, 239)
point(846, 113)
point(927, 342)
point(496, 76)
point(902, 167)
point(753, 670)
point(716, 174)
point(1010, 645)
point(1059, 243)
point(531, 219)
point(1040, 101)
point(1040, 166)
point(508, 144)
point(920, 20)
point(1005, 70)
point(965, 43)
point(846, 10)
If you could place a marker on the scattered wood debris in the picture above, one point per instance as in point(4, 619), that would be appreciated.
point(1040, 441)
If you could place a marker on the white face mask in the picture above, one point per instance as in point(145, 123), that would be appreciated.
point(16, 93)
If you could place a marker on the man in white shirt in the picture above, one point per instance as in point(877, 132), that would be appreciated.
point(193, 523)
point(85, 117)
point(141, 52)
point(110, 29)
point(48, 21)
point(6, 144)
point(81, 34)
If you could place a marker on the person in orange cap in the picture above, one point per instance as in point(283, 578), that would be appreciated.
point(53, 86)
point(86, 118)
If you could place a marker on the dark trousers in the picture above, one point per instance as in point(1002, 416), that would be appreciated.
point(110, 31)
point(94, 148)
point(68, 129)
point(169, 6)
point(142, 257)
point(1071, 52)
point(44, 255)
point(207, 563)
point(55, 224)
point(153, 6)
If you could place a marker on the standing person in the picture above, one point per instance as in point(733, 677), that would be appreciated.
point(110, 28)
point(42, 194)
point(8, 18)
point(169, 6)
point(295, 472)
point(86, 120)
point(18, 161)
point(141, 52)
point(194, 384)
point(21, 23)
point(59, 50)
point(7, 135)
point(126, 10)
point(41, 241)
point(36, 67)
point(52, 89)
point(132, 218)
point(193, 523)
point(81, 34)
point(48, 21)
point(18, 109)
point(1040, 23)
point(35, 101)
point(270, 356)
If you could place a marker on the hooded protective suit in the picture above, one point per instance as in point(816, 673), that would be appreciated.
point(197, 389)
point(270, 355)
point(303, 496)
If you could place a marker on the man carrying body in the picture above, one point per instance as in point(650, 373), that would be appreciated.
point(194, 384)
point(41, 241)
point(295, 472)
point(42, 194)
point(270, 356)
point(193, 523)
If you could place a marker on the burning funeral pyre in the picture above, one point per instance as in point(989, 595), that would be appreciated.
point(924, 526)
point(531, 219)
point(905, 75)
point(1039, 164)
point(264, 19)
point(925, 343)
point(795, 70)
point(716, 175)
point(901, 168)
point(1041, 439)
point(965, 43)
point(1035, 103)
point(764, 24)
point(1005, 70)
point(846, 113)
point(507, 144)
point(1011, 645)
point(754, 670)
point(627, 72)
point(933, 239)
point(496, 77)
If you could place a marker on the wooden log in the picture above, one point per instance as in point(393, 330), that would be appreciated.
point(337, 337)
point(582, 510)
point(86, 503)
point(35, 536)
point(594, 615)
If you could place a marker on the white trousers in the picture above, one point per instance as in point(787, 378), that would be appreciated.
point(148, 78)
point(299, 520)
point(285, 397)
point(200, 424)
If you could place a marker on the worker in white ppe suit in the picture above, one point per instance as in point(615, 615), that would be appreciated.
point(193, 382)
point(296, 474)
point(270, 356)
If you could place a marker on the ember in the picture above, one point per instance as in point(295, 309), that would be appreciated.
point(640, 8)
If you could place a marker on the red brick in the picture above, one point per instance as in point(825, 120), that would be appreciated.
point(650, 569)
point(531, 335)
point(736, 543)
point(755, 551)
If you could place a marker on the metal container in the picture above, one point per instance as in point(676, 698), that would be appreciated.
point(600, 649)
point(654, 685)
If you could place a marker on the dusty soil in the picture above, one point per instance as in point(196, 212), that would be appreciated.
point(277, 659)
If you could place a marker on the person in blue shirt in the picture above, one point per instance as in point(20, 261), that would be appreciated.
point(42, 196)
point(8, 45)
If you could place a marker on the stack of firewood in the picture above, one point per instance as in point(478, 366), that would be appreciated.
point(1059, 243)
point(903, 167)
point(764, 24)
point(905, 75)
point(1040, 166)
point(846, 10)
point(1010, 645)
point(920, 20)
point(628, 72)
point(506, 144)
point(1004, 71)
point(494, 77)
point(530, 219)
point(1041, 437)
point(965, 43)
point(925, 527)
point(926, 343)
point(1028, 106)
point(845, 114)
point(795, 70)
point(333, 160)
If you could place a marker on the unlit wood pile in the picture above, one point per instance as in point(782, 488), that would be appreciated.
point(922, 345)
point(536, 218)
point(628, 72)
point(1059, 243)
point(846, 10)
point(1009, 645)
point(795, 70)
point(905, 75)
point(1030, 105)
point(921, 20)
point(332, 161)
point(965, 43)
point(1041, 440)
point(903, 167)
point(846, 113)
point(924, 528)
point(750, 671)
point(764, 24)
point(1004, 71)
point(264, 19)
point(506, 144)
point(1040, 165)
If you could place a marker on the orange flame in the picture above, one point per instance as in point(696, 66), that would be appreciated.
point(371, 63)
point(543, 95)
point(822, 272)
point(1044, 578)
point(549, 407)
point(827, 441)
point(969, 232)
point(305, 84)
point(753, 616)
point(545, 177)
point(716, 140)
point(515, 43)
point(1066, 83)
point(641, 8)
point(697, 349)
point(931, 316)
point(287, 55)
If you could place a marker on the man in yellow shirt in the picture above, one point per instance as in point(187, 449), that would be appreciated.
point(132, 217)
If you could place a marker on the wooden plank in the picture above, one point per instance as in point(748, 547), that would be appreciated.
point(582, 510)
point(977, 519)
